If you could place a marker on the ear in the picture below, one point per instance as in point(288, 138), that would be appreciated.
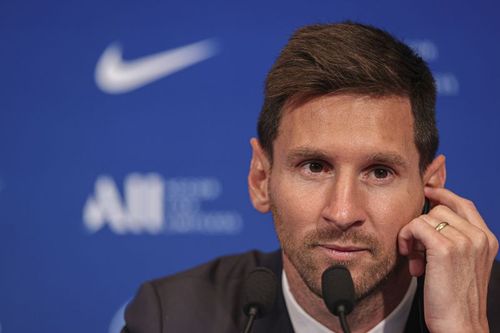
point(435, 174)
point(258, 178)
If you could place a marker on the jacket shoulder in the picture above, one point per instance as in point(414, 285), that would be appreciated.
point(207, 297)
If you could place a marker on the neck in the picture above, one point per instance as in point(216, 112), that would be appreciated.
point(366, 314)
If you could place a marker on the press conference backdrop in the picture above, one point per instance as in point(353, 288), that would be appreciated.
point(125, 127)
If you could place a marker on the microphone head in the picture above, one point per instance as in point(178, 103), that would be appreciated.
point(259, 291)
point(338, 289)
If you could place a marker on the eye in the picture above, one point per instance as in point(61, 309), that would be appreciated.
point(381, 173)
point(315, 167)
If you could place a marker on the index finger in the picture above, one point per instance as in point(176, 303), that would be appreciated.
point(461, 206)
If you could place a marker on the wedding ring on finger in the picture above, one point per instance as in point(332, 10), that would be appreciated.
point(441, 226)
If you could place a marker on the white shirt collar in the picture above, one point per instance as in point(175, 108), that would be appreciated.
point(302, 322)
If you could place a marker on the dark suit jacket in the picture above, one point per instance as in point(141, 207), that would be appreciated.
point(208, 298)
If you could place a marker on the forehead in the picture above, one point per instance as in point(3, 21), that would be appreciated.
point(349, 123)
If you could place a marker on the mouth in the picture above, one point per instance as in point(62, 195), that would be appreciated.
point(343, 252)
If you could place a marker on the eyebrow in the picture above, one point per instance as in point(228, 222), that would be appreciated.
point(388, 158)
point(304, 153)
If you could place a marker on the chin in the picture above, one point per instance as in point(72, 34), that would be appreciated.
point(372, 279)
point(369, 277)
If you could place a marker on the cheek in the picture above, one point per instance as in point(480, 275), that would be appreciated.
point(391, 210)
point(297, 206)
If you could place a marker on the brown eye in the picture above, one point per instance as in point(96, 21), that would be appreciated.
point(381, 173)
point(315, 167)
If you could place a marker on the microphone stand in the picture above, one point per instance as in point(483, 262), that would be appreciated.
point(252, 314)
point(343, 319)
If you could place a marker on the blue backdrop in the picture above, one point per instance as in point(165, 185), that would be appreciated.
point(110, 175)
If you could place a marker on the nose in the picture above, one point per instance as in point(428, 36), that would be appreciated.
point(344, 202)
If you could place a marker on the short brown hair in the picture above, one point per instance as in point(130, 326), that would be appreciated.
point(350, 58)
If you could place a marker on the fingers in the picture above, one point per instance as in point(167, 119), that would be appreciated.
point(461, 206)
point(416, 263)
point(456, 260)
point(414, 250)
point(466, 233)
point(462, 215)
point(459, 229)
point(443, 214)
point(445, 246)
point(454, 238)
point(421, 231)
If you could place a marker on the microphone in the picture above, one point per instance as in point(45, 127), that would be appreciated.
point(338, 293)
point(259, 291)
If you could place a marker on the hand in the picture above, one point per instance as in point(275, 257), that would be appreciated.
point(457, 262)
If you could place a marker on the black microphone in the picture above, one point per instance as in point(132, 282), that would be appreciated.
point(338, 293)
point(259, 294)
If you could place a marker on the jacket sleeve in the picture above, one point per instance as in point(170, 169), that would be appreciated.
point(143, 313)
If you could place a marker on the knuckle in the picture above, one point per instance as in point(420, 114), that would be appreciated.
point(440, 210)
point(447, 249)
point(469, 204)
point(482, 239)
point(480, 242)
point(491, 241)
point(465, 245)
point(494, 245)
point(417, 221)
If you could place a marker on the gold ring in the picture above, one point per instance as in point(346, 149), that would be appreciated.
point(441, 226)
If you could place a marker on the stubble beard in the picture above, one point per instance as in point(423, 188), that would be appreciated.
point(369, 277)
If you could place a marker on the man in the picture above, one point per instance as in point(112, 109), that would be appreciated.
point(345, 160)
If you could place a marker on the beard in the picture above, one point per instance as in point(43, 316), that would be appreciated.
point(369, 275)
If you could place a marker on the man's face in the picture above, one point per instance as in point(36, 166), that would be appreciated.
point(344, 180)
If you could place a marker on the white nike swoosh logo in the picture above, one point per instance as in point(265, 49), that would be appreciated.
point(113, 75)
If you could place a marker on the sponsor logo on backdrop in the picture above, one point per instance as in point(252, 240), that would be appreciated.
point(114, 75)
point(153, 205)
point(447, 82)
point(118, 321)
